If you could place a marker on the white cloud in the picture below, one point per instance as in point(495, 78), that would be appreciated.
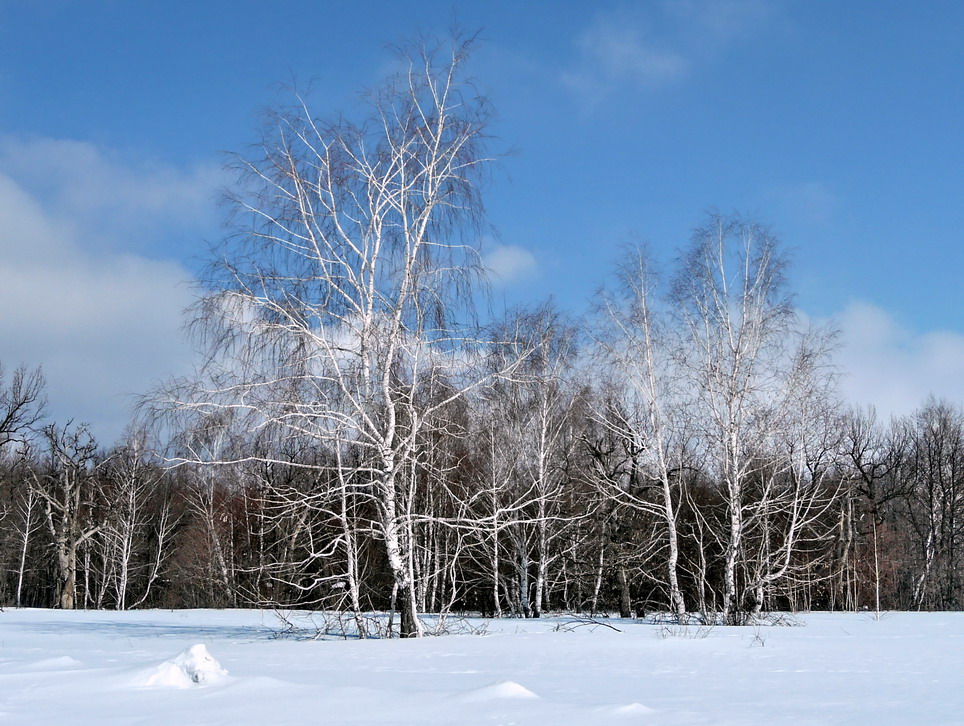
point(103, 321)
point(646, 46)
point(107, 199)
point(509, 263)
point(715, 24)
point(613, 53)
point(894, 368)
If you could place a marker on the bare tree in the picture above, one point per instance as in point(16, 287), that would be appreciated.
point(787, 515)
point(21, 403)
point(65, 483)
point(741, 343)
point(139, 524)
point(934, 469)
point(338, 315)
point(518, 508)
point(546, 438)
point(638, 356)
point(27, 522)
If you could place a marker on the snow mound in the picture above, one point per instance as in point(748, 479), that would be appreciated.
point(500, 690)
point(191, 667)
point(633, 708)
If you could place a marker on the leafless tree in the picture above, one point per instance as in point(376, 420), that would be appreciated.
point(873, 485)
point(934, 469)
point(638, 353)
point(65, 483)
point(789, 513)
point(27, 511)
point(742, 342)
point(138, 527)
point(545, 400)
point(22, 403)
point(523, 434)
point(339, 313)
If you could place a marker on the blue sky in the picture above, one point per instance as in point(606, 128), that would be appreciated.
point(838, 123)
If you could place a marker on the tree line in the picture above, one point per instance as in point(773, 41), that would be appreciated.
point(358, 439)
point(539, 496)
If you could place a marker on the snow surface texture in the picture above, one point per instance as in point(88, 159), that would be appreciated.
point(97, 668)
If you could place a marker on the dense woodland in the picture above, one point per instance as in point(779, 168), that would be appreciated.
point(363, 435)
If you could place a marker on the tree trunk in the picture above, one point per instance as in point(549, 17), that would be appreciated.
point(730, 595)
point(676, 602)
point(625, 602)
point(68, 577)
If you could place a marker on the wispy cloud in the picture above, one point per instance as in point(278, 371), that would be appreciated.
point(894, 368)
point(810, 203)
point(103, 195)
point(509, 263)
point(643, 47)
point(82, 298)
point(614, 53)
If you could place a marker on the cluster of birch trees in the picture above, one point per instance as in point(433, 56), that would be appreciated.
point(358, 440)
point(534, 499)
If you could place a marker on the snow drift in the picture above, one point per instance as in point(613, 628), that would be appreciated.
point(191, 667)
point(500, 690)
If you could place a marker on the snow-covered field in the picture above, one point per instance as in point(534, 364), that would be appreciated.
point(140, 668)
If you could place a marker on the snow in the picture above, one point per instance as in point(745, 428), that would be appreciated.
point(505, 689)
point(191, 667)
point(163, 667)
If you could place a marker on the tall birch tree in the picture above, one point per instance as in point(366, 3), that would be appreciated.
point(638, 350)
point(337, 314)
point(738, 324)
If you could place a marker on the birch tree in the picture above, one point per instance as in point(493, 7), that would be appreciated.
point(789, 515)
point(27, 512)
point(524, 432)
point(934, 469)
point(547, 400)
point(638, 351)
point(136, 533)
point(740, 337)
point(337, 314)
